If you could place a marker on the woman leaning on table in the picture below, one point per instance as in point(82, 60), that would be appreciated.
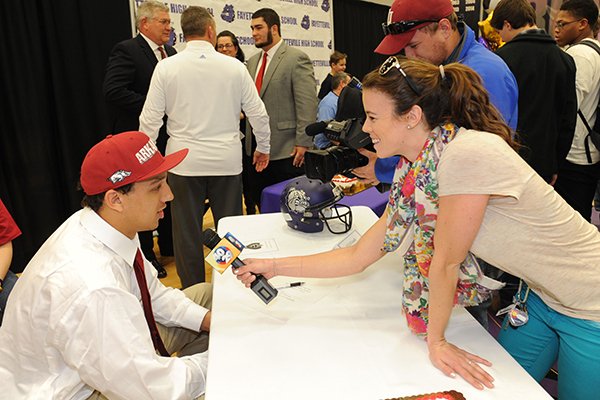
point(480, 197)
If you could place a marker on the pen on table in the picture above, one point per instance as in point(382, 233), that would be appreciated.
point(291, 285)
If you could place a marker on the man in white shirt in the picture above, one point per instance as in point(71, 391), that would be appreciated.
point(578, 175)
point(203, 92)
point(82, 319)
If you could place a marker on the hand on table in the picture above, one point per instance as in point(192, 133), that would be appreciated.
point(452, 360)
point(262, 266)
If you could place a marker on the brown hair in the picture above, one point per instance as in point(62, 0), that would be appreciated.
point(518, 13)
point(336, 57)
point(195, 21)
point(459, 97)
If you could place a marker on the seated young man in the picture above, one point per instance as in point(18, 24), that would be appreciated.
point(88, 317)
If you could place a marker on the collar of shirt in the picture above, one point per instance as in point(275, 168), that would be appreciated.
point(453, 57)
point(153, 46)
point(270, 55)
point(199, 45)
point(109, 236)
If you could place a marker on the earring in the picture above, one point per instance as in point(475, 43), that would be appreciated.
point(408, 127)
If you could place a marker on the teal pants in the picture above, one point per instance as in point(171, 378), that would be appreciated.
point(549, 336)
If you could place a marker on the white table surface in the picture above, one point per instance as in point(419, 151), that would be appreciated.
point(342, 338)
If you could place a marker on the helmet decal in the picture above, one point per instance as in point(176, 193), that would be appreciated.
point(298, 201)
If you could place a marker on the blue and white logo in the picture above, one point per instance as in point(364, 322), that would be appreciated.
point(223, 255)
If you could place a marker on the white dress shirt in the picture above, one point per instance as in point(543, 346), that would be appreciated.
point(154, 47)
point(75, 323)
point(270, 55)
point(203, 92)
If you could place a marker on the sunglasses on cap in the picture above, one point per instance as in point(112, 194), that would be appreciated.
point(391, 63)
point(395, 28)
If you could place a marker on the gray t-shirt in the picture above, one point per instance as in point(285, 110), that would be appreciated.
point(528, 230)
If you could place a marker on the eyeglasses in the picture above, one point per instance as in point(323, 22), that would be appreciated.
point(224, 46)
point(561, 24)
point(402, 26)
point(163, 21)
point(391, 63)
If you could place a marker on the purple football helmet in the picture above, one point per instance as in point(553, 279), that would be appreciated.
point(308, 204)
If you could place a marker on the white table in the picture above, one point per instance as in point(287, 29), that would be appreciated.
point(342, 338)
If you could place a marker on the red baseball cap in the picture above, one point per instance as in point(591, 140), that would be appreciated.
point(407, 11)
point(122, 159)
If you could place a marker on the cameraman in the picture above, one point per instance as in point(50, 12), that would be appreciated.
point(329, 105)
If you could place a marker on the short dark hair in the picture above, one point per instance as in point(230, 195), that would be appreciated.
point(195, 21)
point(336, 57)
point(518, 13)
point(338, 78)
point(582, 9)
point(96, 201)
point(240, 53)
point(270, 17)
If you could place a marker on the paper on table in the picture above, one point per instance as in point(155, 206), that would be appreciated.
point(260, 246)
point(349, 240)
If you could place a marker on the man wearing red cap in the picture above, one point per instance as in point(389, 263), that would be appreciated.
point(88, 315)
point(430, 30)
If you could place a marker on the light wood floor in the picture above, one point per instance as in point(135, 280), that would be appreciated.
point(169, 262)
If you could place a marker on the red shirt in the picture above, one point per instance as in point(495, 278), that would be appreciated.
point(8, 228)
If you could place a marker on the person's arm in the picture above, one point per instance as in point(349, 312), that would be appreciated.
point(330, 264)
point(103, 335)
point(120, 73)
point(304, 90)
point(6, 253)
point(459, 219)
point(151, 118)
point(257, 116)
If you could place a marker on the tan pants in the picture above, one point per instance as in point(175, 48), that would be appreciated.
point(182, 341)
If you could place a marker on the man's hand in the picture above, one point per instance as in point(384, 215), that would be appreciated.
point(452, 360)
point(260, 161)
point(298, 155)
point(205, 325)
point(366, 174)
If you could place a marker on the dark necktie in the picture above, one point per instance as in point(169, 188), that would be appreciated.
point(138, 267)
point(261, 72)
point(163, 55)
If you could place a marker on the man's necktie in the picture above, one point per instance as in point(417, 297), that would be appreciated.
point(138, 267)
point(163, 55)
point(261, 72)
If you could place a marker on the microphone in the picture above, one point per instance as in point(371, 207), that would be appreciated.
point(261, 285)
point(316, 127)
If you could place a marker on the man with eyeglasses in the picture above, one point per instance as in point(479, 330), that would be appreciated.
point(579, 173)
point(430, 30)
point(128, 73)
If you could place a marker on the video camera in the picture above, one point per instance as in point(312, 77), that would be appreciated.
point(346, 129)
point(340, 159)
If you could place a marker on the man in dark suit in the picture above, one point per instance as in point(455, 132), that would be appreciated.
point(128, 73)
point(287, 87)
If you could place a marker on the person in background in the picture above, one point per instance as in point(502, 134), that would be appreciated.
point(209, 126)
point(579, 173)
point(546, 78)
point(461, 188)
point(327, 109)
point(126, 81)
point(337, 62)
point(9, 231)
point(227, 43)
point(88, 317)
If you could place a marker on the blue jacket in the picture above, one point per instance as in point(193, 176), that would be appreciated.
point(497, 79)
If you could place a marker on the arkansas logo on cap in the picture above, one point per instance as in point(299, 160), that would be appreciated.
point(121, 159)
